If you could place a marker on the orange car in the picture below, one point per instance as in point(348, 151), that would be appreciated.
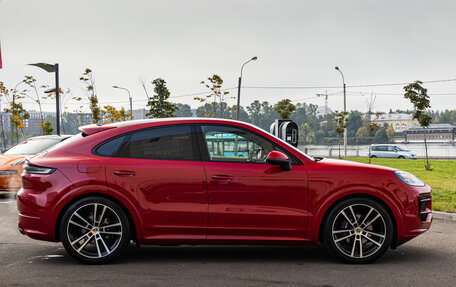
point(11, 161)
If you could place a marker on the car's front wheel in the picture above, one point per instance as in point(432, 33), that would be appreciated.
point(358, 230)
point(94, 230)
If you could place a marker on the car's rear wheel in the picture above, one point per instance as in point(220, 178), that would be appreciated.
point(373, 156)
point(94, 230)
point(358, 230)
point(401, 157)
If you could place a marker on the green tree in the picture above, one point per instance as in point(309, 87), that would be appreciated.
point(159, 106)
point(362, 135)
point(217, 95)
point(306, 135)
point(18, 115)
point(254, 110)
point(380, 134)
point(47, 128)
point(30, 81)
point(112, 115)
point(372, 126)
point(419, 98)
point(15, 108)
point(341, 119)
point(183, 110)
point(87, 78)
point(390, 133)
point(355, 119)
point(284, 108)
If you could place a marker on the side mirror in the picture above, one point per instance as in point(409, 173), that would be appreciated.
point(279, 158)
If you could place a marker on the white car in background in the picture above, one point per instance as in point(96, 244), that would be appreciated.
point(391, 151)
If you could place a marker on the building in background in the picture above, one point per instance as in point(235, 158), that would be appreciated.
point(441, 133)
point(400, 122)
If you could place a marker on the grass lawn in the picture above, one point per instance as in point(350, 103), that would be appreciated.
point(442, 178)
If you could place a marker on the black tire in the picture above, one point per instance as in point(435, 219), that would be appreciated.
point(373, 156)
point(401, 157)
point(101, 239)
point(366, 237)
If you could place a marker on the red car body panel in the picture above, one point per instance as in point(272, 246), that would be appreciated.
point(172, 200)
point(245, 203)
point(210, 202)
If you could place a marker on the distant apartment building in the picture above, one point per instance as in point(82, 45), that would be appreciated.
point(434, 133)
point(399, 121)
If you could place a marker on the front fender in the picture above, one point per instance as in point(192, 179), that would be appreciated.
point(324, 205)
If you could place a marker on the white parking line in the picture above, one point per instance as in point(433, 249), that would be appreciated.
point(7, 202)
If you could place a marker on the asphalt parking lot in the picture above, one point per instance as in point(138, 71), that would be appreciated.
point(429, 260)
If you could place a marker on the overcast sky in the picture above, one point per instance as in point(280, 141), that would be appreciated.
point(298, 43)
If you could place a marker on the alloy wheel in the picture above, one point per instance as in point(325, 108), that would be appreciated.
point(359, 231)
point(94, 230)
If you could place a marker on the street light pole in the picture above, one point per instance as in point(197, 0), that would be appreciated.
point(239, 88)
point(129, 97)
point(53, 69)
point(57, 99)
point(345, 110)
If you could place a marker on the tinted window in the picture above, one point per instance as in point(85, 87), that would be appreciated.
point(390, 148)
point(227, 143)
point(171, 142)
point(381, 148)
point(110, 147)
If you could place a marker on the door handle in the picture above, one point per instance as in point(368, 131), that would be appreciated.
point(124, 173)
point(222, 177)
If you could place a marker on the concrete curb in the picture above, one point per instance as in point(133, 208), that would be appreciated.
point(444, 215)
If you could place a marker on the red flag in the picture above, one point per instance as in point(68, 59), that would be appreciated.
point(0, 56)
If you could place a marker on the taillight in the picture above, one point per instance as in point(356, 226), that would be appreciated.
point(34, 169)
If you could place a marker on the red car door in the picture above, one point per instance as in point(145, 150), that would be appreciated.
point(248, 198)
point(161, 170)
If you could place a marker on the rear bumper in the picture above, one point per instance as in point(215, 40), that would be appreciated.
point(33, 226)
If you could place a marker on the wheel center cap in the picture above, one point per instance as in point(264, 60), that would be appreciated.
point(358, 230)
point(95, 230)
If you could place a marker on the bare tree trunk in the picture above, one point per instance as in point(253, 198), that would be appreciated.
point(144, 87)
point(339, 147)
point(370, 143)
point(3, 131)
point(425, 147)
point(23, 134)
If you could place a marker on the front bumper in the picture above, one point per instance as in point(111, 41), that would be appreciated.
point(417, 217)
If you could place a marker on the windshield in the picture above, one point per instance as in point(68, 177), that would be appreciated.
point(401, 148)
point(32, 146)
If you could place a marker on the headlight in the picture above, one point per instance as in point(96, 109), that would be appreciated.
point(18, 162)
point(408, 178)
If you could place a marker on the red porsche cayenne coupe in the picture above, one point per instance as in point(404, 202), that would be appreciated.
point(212, 181)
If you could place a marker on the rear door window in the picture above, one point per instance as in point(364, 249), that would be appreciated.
point(163, 143)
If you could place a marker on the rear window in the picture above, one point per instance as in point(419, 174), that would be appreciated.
point(110, 147)
point(32, 146)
